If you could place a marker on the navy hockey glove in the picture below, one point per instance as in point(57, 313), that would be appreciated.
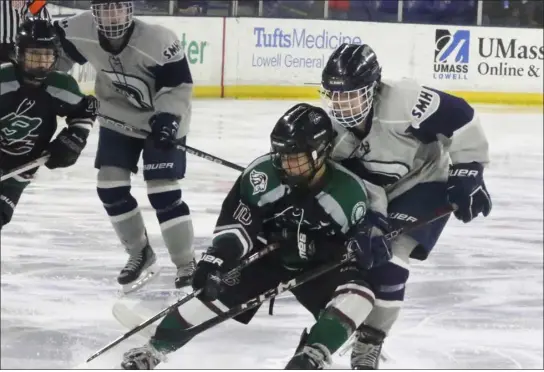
point(164, 130)
point(66, 148)
point(467, 191)
point(208, 275)
point(370, 249)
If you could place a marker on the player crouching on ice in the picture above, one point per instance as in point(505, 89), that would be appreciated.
point(405, 138)
point(32, 95)
point(314, 208)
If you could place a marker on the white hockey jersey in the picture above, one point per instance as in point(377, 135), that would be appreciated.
point(415, 133)
point(149, 74)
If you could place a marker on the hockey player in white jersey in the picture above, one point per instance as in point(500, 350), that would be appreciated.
point(424, 146)
point(144, 82)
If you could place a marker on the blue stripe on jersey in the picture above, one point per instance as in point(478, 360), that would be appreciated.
point(171, 74)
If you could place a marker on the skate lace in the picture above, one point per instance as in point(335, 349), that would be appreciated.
point(186, 270)
point(366, 355)
point(134, 262)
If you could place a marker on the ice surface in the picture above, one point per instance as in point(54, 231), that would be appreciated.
point(476, 303)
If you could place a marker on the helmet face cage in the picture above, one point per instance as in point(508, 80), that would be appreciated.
point(113, 19)
point(297, 166)
point(349, 108)
point(37, 61)
point(36, 49)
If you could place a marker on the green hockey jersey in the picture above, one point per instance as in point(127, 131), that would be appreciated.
point(28, 114)
point(260, 205)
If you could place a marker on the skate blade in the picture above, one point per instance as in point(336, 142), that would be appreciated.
point(145, 277)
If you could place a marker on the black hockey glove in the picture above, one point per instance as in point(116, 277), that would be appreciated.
point(208, 276)
point(90, 105)
point(164, 129)
point(66, 148)
point(370, 249)
point(467, 191)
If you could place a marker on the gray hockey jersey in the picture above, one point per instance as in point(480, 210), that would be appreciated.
point(150, 73)
point(416, 132)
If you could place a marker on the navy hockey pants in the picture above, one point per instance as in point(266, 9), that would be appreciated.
point(388, 280)
point(118, 150)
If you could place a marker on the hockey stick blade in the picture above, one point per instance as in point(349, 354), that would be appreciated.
point(179, 146)
point(143, 325)
point(247, 261)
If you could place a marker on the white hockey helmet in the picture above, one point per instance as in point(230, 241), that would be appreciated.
point(113, 18)
point(349, 83)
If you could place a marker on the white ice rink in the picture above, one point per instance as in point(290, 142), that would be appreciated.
point(477, 302)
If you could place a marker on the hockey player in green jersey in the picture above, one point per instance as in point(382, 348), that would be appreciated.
point(32, 95)
point(316, 210)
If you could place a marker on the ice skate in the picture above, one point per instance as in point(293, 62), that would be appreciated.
point(367, 348)
point(314, 356)
point(144, 357)
point(184, 275)
point(140, 269)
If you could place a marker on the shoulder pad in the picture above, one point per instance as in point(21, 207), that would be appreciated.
point(159, 42)
point(425, 104)
point(78, 26)
point(259, 178)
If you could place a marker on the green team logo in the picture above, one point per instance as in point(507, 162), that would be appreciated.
point(19, 132)
point(358, 212)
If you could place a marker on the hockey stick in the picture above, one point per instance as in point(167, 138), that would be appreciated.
point(281, 288)
point(244, 263)
point(304, 278)
point(25, 167)
point(179, 146)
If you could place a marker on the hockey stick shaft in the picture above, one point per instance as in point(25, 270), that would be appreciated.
point(305, 277)
point(244, 263)
point(25, 167)
point(179, 146)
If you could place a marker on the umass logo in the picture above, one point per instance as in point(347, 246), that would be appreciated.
point(18, 132)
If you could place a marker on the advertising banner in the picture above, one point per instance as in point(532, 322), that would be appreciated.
point(294, 52)
point(480, 58)
point(201, 39)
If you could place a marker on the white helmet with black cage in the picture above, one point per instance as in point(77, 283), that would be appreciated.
point(113, 18)
point(349, 83)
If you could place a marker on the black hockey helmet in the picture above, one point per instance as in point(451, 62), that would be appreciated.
point(37, 48)
point(113, 18)
point(300, 143)
point(349, 83)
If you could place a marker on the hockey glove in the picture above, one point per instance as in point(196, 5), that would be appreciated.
point(66, 148)
point(208, 276)
point(368, 243)
point(90, 105)
point(164, 130)
point(467, 191)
